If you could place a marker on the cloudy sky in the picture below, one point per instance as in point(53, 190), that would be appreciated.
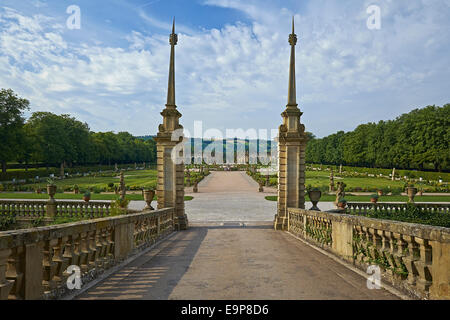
point(232, 60)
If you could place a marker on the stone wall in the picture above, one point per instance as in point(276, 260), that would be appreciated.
point(413, 258)
point(33, 262)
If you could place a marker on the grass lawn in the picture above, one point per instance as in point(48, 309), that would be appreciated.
point(330, 198)
point(72, 196)
point(135, 178)
point(319, 179)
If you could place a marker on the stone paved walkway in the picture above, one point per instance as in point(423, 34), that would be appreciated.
point(223, 260)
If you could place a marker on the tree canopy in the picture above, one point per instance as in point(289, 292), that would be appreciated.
point(11, 125)
point(416, 140)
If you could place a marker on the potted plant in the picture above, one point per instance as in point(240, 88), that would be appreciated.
point(51, 189)
point(374, 198)
point(76, 189)
point(314, 195)
point(87, 196)
point(342, 203)
point(38, 190)
point(149, 194)
point(380, 192)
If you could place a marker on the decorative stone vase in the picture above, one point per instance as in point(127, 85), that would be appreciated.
point(51, 191)
point(86, 198)
point(411, 192)
point(374, 200)
point(148, 197)
point(314, 196)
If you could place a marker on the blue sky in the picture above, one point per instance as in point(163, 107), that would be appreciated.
point(232, 61)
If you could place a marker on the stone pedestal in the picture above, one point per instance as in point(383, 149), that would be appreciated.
point(291, 166)
point(170, 184)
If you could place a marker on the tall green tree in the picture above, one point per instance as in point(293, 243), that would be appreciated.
point(11, 125)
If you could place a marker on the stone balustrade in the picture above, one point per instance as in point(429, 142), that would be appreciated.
point(33, 262)
point(414, 258)
point(23, 208)
point(364, 207)
point(42, 208)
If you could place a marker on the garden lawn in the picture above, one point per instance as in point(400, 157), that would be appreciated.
point(136, 178)
point(319, 179)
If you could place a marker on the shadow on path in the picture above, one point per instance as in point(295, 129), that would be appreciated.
point(154, 275)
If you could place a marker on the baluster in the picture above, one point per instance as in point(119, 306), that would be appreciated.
point(93, 248)
point(5, 284)
point(85, 252)
point(104, 251)
point(376, 243)
point(61, 262)
point(32, 211)
point(388, 251)
point(98, 257)
point(15, 273)
point(423, 265)
point(110, 248)
point(412, 256)
point(49, 266)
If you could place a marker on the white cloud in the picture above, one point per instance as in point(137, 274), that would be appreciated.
point(236, 76)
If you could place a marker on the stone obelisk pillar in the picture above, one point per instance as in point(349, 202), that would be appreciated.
point(291, 151)
point(170, 184)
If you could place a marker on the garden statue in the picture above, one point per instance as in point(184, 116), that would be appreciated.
point(195, 186)
point(393, 174)
point(340, 194)
point(122, 186)
point(116, 168)
point(340, 169)
point(331, 181)
point(188, 177)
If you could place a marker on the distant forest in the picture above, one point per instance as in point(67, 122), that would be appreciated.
point(416, 140)
point(61, 140)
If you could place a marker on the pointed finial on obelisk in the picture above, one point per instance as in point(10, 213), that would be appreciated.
point(292, 96)
point(171, 90)
point(293, 27)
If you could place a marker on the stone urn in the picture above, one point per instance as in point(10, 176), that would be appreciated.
point(148, 197)
point(411, 192)
point(51, 191)
point(314, 196)
point(374, 199)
